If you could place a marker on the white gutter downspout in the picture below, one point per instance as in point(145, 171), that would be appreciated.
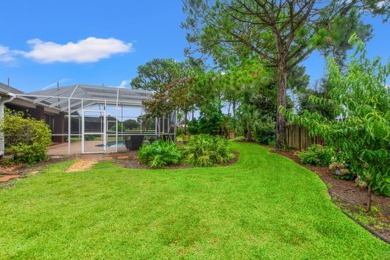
point(2, 102)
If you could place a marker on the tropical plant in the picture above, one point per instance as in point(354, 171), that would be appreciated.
point(160, 154)
point(26, 137)
point(207, 150)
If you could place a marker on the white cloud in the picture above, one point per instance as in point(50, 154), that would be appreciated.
point(88, 50)
point(6, 55)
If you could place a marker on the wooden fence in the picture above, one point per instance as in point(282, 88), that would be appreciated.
point(298, 138)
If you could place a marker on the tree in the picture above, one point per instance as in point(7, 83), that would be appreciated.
point(156, 74)
point(362, 104)
point(172, 81)
point(339, 30)
point(279, 33)
point(130, 124)
point(321, 90)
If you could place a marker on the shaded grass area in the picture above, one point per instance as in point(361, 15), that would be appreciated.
point(265, 206)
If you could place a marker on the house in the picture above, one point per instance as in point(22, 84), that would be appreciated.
point(13, 98)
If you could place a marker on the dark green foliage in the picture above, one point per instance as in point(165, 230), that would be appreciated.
point(211, 119)
point(207, 150)
point(265, 133)
point(193, 127)
point(27, 138)
point(321, 90)
point(130, 124)
point(179, 131)
point(160, 154)
point(317, 155)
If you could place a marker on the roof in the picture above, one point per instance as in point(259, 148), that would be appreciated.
point(10, 89)
point(88, 95)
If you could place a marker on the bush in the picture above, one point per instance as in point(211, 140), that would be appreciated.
point(160, 154)
point(340, 169)
point(207, 150)
point(180, 131)
point(193, 127)
point(361, 103)
point(265, 134)
point(27, 138)
point(317, 155)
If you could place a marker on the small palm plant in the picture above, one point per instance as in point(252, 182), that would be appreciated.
point(207, 150)
point(160, 154)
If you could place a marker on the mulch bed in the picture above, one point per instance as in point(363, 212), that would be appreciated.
point(131, 160)
point(352, 199)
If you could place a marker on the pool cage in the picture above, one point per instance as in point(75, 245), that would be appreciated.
point(97, 119)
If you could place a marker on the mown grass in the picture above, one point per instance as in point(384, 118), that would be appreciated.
point(265, 206)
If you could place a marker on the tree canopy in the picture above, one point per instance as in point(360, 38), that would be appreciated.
point(280, 34)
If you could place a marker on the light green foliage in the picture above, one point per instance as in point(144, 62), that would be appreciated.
point(160, 154)
point(317, 155)
point(27, 138)
point(263, 207)
point(362, 135)
point(207, 150)
point(239, 138)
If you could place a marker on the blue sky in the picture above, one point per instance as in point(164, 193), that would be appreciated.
point(103, 42)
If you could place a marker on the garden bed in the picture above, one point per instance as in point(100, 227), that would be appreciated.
point(132, 161)
point(353, 200)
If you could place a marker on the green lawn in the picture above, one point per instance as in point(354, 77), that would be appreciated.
point(265, 206)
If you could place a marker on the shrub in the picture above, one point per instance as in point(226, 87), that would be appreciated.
point(193, 127)
point(207, 150)
point(361, 103)
point(160, 154)
point(180, 131)
point(265, 132)
point(317, 155)
point(341, 170)
point(27, 138)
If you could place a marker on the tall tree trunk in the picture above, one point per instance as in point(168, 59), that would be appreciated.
point(280, 119)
